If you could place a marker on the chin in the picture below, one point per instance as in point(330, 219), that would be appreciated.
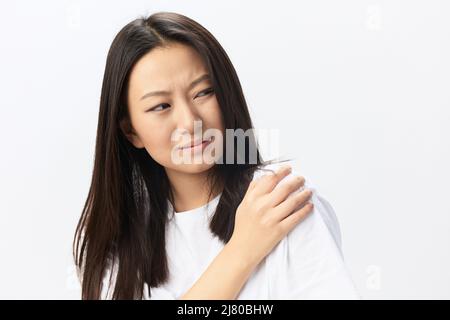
point(193, 167)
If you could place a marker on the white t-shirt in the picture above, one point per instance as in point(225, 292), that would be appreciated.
point(307, 264)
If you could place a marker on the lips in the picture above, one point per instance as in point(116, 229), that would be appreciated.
point(196, 143)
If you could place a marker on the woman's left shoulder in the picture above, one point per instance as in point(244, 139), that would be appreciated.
point(323, 214)
point(308, 262)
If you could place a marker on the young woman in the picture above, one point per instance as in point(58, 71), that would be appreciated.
point(156, 228)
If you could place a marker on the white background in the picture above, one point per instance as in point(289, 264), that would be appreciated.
point(358, 89)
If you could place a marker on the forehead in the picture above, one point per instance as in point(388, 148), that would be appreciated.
point(163, 67)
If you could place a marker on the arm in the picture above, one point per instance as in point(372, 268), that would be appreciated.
point(263, 218)
point(224, 277)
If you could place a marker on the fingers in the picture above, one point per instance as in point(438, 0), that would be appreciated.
point(281, 192)
point(267, 182)
point(295, 202)
point(295, 218)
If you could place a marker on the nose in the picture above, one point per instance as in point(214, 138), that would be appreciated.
point(188, 119)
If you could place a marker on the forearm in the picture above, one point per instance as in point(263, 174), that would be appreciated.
point(224, 277)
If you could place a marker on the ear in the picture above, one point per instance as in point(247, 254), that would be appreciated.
point(130, 133)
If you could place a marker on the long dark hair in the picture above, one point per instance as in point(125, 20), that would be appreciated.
point(124, 217)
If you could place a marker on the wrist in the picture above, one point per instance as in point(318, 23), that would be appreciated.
point(244, 260)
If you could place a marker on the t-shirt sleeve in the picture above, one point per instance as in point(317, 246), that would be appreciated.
point(308, 263)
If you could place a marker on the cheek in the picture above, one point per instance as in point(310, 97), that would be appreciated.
point(157, 138)
point(213, 116)
point(158, 145)
point(154, 135)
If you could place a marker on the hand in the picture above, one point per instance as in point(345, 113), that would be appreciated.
point(267, 214)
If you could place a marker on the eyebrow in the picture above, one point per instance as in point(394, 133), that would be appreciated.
point(163, 93)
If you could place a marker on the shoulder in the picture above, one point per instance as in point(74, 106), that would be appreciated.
point(323, 212)
point(308, 262)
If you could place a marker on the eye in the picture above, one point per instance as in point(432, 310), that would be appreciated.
point(205, 92)
point(156, 107)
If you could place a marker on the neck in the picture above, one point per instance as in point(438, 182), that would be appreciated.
point(190, 190)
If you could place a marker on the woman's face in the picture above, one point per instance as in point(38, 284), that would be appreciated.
point(168, 90)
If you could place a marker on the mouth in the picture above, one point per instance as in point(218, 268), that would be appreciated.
point(198, 144)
